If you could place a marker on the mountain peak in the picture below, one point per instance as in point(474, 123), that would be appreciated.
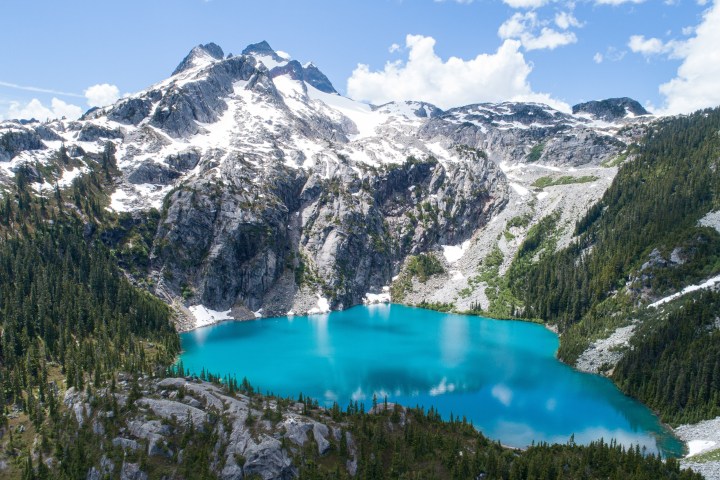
point(262, 48)
point(611, 109)
point(199, 55)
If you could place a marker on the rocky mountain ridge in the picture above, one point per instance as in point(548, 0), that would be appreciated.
point(277, 195)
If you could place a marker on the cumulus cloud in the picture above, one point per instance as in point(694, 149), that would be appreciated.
point(652, 46)
point(489, 77)
point(393, 48)
point(598, 57)
point(529, 4)
point(566, 20)
point(617, 2)
point(697, 83)
point(534, 34)
point(35, 109)
point(102, 94)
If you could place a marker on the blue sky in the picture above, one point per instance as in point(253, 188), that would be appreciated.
point(555, 51)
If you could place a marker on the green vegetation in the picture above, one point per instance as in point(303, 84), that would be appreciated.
point(519, 221)
point(614, 162)
point(549, 181)
point(536, 152)
point(674, 362)
point(711, 456)
point(466, 150)
point(503, 304)
point(422, 267)
point(69, 318)
point(414, 443)
point(591, 287)
point(437, 306)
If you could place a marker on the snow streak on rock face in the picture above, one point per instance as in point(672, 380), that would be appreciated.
point(276, 191)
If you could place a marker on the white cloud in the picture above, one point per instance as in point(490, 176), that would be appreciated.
point(102, 94)
point(566, 20)
point(530, 4)
point(525, 26)
point(489, 77)
point(37, 89)
point(617, 2)
point(394, 48)
point(651, 46)
point(466, 2)
point(35, 109)
point(697, 84)
point(612, 54)
point(598, 57)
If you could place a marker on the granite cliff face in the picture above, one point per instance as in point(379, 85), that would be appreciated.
point(276, 194)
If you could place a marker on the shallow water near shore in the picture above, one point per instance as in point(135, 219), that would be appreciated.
point(501, 375)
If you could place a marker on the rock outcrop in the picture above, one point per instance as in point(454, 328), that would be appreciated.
point(248, 443)
point(611, 109)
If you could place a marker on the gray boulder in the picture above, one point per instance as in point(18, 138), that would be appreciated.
point(131, 471)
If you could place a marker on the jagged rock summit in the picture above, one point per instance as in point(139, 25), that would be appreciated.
point(199, 54)
point(263, 49)
point(276, 195)
point(611, 109)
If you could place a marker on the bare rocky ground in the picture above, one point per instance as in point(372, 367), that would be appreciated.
point(571, 201)
point(602, 355)
point(701, 437)
point(255, 437)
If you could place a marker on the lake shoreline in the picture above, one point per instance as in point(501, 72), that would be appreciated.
point(187, 322)
point(476, 314)
point(410, 323)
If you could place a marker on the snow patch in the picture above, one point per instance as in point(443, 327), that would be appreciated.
point(205, 316)
point(361, 114)
point(118, 200)
point(700, 437)
point(373, 298)
point(699, 446)
point(453, 253)
point(323, 306)
point(270, 62)
point(709, 283)
point(522, 191)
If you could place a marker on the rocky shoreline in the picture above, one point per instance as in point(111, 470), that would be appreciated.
point(701, 438)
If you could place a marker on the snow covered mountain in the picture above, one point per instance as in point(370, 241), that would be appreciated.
point(277, 194)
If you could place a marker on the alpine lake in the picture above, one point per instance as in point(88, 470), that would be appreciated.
point(500, 375)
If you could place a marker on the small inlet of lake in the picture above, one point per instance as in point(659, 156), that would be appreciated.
point(501, 375)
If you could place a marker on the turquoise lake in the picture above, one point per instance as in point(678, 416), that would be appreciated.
point(501, 375)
